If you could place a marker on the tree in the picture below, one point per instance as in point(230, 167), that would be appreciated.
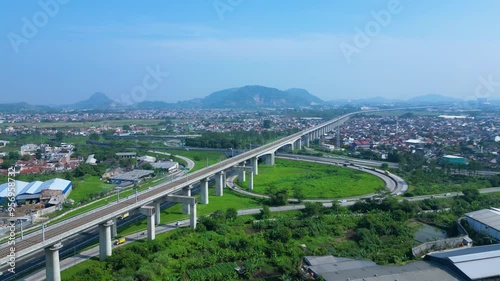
point(312, 209)
point(147, 166)
point(278, 197)
point(231, 213)
point(298, 194)
point(38, 154)
point(470, 194)
point(265, 213)
point(94, 137)
point(7, 163)
point(280, 233)
point(384, 166)
point(26, 157)
point(59, 136)
point(266, 124)
point(126, 127)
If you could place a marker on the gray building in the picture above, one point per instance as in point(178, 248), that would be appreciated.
point(485, 221)
point(134, 176)
point(126, 155)
point(480, 263)
point(335, 268)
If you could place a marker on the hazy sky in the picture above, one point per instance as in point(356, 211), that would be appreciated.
point(65, 52)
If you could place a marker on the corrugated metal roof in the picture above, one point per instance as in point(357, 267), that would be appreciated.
point(35, 187)
point(476, 262)
point(415, 271)
point(482, 268)
point(4, 188)
point(488, 217)
point(31, 188)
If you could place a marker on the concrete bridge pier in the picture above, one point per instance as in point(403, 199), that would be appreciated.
point(192, 217)
point(105, 240)
point(157, 206)
point(254, 162)
point(204, 191)
point(114, 229)
point(307, 140)
point(269, 159)
point(250, 180)
point(298, 144)
point(219, 184)
point(52, 267)
point(187, 192)
point(149, 212)
point(241, 175)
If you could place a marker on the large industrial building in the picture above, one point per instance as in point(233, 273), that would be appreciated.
point(485, 221)
point(52, 191)
point(463, 264)
point(134, 176)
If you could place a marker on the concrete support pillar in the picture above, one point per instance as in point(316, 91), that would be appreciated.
point(114, 229)
point(299, 144)
point(192, 218)
point(105, 240)
point(157, 212)
point(219, 184)
point(204, 191)
point(250, 180)
point(52, 268)
point(255, 165)
point(241, 175)
point(149, 212)
point(270, 159)
point(187, 192)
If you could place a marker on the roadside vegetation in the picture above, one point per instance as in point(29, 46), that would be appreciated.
point(238, 139)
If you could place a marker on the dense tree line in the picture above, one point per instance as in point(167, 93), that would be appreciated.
point(236, 139)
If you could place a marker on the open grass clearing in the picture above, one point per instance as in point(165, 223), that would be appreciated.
point(314, 180)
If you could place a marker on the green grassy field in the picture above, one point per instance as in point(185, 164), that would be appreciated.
point(314, 180)
point(89, 185)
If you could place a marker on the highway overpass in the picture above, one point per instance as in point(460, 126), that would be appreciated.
point(148, 202)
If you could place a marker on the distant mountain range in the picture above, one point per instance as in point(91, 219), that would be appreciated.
point(242, 97)
point(20, 107)
point(96, 101)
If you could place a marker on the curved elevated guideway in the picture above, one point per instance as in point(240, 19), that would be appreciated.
point(395, 184)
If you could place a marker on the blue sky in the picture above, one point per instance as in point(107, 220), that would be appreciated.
point(84, 47)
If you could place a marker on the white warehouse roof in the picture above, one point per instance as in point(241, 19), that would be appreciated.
point(4, 188)
point(35, 187)
point(488, 217)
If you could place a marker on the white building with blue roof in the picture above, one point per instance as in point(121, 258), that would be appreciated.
point(33, 191)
